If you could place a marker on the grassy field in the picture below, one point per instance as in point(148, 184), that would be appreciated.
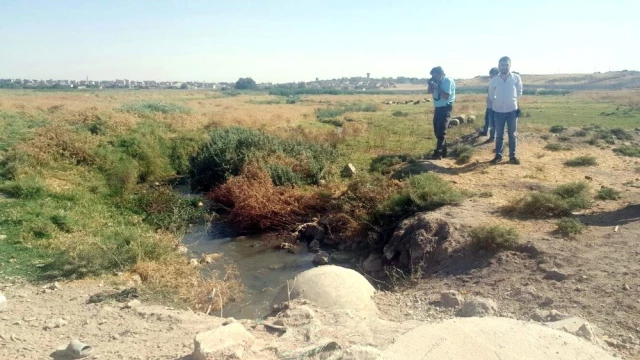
point(84, 176)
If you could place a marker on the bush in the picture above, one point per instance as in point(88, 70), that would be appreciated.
point(569, 226)
point(463, 153)
point(24, 189)
point(607, 193)
point(556, 129)
point(62, 222)
point(230, 149)
point(561, 201)
point(558, 147)
point(494, 238)
point(581, 133)
point(384, 164)
point(622, 134)
point(148, 107)
point(581, 161)
point(399, 113)
point(424, 192)
point(165, 210)
point(628, 150)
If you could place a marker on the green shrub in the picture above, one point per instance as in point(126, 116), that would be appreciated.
point(164, 209)
point(561, 201)
point(622, 134)
point(558, 147)
point(607, 193)
point(569, 226)
point(283, 175)
point(545, 137)
point(332, 112)
point(399, 113)
point(494, 238)
point(581, 161)
point(229, 149)
point(463, 153)
point(556, 129)
point(628, 150)
point(384, 164)
point(581, 133)
point(24, 189)
point(148, 107)
point(62, 222)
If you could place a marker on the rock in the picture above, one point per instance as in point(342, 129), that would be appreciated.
point(321, 259)
point(358, 352)
point(200, 204)
point(451, 299)
point(526, 293)
point(555, 275)
point(330, 287)
point(479, 307)
point(311, 231)
point(471, 119)
point(132, 304)
point(314, 246)
point(372, 263)
point(348, 171)
point(3, 302)
point(194, 262)
point(586, 331)
point(228, 321)
point(573, 325)
point(626, 287)
point(226, 342)
point(55, 323)
point(297, 316)
point(547, 302)
point(549, 315)
point(210, 258)
point(454, 122)
point(422, 241)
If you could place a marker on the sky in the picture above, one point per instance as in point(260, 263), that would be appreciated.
point(285, 41)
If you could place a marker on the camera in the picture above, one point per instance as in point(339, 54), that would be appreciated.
point(433, 82)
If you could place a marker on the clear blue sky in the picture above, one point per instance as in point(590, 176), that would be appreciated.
point(286, 40)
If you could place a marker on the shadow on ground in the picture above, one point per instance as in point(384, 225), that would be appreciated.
point(626, 215)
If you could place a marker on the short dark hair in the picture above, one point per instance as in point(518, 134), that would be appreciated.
point(494, 71)
point(436, 70)
point(504, 58)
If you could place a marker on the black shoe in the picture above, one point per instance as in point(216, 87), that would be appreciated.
point(436, 156)
point(514, 161)
point(444, 152)
point(482, 133)
point(495, 160)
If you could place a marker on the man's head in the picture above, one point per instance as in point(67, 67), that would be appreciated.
point(493, 72)
point(504, 65)
point(437, 73)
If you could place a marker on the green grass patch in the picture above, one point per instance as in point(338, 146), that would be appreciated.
point(569, 226)
point(385, 164)
point(148, 107)
point(463, 153)
point(330, 112)
point(494, 238)
point(558, 202)
point(580, 133)
point(556, 129)
point(607, 193)
point(581, 161)
point(558, 147)
point(628, 150)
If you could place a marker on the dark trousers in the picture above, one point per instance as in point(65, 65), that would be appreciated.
point(441, 117)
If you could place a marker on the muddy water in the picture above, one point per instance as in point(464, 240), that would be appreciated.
point(262, 269)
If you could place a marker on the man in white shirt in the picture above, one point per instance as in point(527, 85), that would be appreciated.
point(504, 92)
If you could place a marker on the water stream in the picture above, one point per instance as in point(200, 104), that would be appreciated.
point(262, 269)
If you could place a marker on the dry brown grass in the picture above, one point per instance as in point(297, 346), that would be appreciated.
point(254, 203)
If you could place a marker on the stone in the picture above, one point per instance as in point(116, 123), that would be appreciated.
point(451, 299)
point(422, 241)
point(314, 246)
point(548, 316)
point(55, 323)
point(626, 287)
point(573, 325)
point(298, 316)
point(348, 171)
point(321, 259)
point(372, 263)
point(358, 352)
point(330, 287)
point(226, 342)
point(3, 302)
point(526, 293)
point(210, 258)
point(555, 275)
point(132, 304)
point(586, 331)
point(479, 307)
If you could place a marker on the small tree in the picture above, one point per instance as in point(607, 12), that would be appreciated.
point(245, 84)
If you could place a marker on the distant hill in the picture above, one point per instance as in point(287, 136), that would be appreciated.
point(612, 80)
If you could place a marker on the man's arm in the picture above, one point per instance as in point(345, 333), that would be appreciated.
point(518, 87)
point(446, 84)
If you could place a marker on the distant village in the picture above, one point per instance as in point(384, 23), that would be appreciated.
point(351, 83)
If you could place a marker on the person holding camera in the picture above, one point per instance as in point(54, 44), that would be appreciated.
point(504, 92)
point(443, 89)
point(489, 124)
